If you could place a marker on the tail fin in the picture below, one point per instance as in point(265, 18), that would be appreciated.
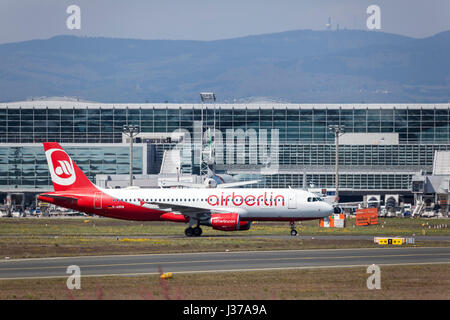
point(64, 172)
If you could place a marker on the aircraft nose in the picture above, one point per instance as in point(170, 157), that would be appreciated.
point(329, 209)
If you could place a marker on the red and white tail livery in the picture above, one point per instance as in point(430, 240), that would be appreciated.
point(64, 172)
point(222, 209)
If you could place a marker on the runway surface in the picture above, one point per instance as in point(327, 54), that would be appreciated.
point(219, 261)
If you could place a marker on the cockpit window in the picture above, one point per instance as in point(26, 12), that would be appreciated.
point(311, 199)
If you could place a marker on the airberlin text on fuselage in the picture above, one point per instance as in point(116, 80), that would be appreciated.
point(249, 200)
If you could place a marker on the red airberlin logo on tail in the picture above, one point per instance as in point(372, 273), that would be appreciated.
point(61, 167)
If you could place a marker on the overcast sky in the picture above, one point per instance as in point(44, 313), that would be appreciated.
point(213, 19)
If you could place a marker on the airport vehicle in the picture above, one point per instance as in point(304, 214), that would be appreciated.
point(16, 214)
point(407, 209)
point(223, 209)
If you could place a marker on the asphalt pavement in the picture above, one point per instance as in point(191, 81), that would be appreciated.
point(220, 261)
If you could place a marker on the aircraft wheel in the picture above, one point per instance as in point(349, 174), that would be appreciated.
point(198, 231)
point(189, 232)
point(293, 231)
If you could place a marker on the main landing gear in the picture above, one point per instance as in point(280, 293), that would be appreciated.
point(293, 231)
point(193, 232)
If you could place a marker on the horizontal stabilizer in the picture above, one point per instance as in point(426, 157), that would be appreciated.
point(66, 199)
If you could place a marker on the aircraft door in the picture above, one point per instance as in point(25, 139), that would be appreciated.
point(98, 200)
point(292, 202)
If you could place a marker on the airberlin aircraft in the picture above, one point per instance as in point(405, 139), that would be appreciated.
point(222, 209)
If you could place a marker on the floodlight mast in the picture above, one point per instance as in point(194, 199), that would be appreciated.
point(207, 97)
point(131, 131)
point(338, 131)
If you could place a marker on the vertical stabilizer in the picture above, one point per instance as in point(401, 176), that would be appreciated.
point(64, 172)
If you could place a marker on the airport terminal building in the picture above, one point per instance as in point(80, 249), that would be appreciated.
point(282, 145)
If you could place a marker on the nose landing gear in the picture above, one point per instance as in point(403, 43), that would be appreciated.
point(293, 231)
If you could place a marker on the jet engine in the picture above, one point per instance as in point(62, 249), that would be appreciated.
point(214, 180)
point(227, 222)
point(210, 183)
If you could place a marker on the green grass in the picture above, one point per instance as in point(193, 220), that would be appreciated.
point(28, 238)
point(33, 247)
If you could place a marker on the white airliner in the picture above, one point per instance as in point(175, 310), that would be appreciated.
point(213, 180)
point(222, 209)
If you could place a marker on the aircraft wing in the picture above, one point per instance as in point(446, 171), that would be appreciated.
point(201, 185)
point(235, 184)
point(185, 184)
point(349, 204)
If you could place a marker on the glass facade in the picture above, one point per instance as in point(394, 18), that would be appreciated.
point(305, 146)
point(84, 123)
point(358, 181)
